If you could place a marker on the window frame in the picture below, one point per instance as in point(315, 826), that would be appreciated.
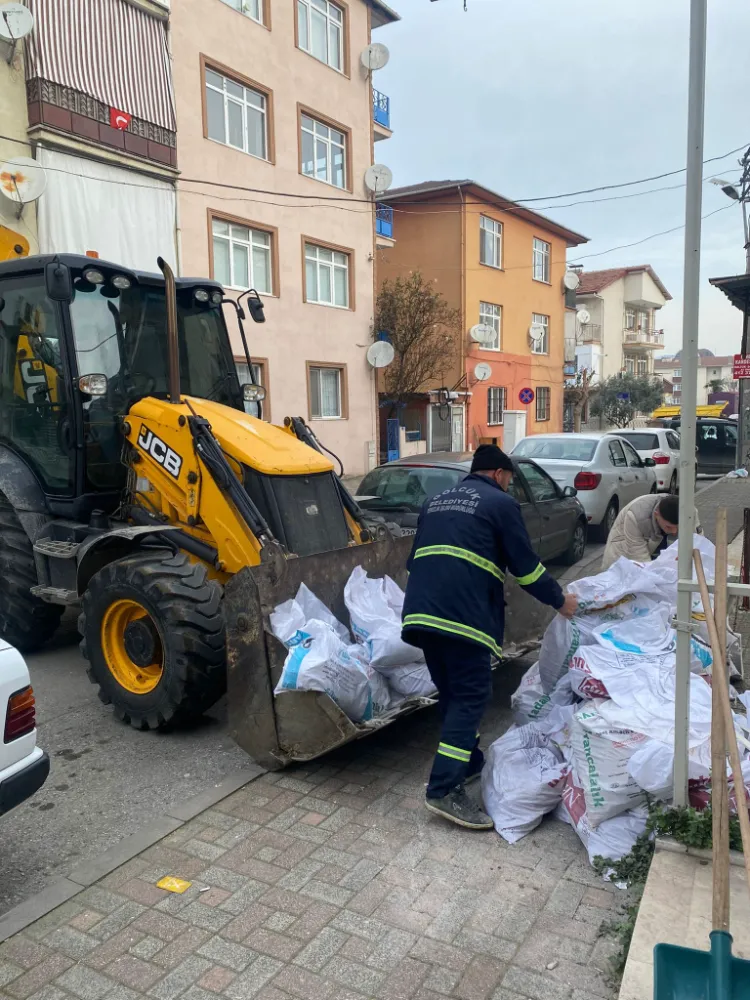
point(343, 388)
point(265, 12)
point(235, 220)
point(544, 321)
point(345, 61)
point(503, 400)
point(499, 317)
point(546, 255)
point(612, 446)
point(323, 245)
point(262, 363)
point(316, 116)
point(498, 238)
point(245, 81)
point(548, 408)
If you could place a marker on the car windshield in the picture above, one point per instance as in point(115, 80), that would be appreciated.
point(642, 442)
point(405, 486)
point(122, 334)
point(563, 448)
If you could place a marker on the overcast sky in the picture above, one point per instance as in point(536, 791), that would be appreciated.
point(540, 97)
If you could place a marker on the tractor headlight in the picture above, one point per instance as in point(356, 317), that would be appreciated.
point(93, 385)
point(121, 281)
point(200, 295)
point(216, 298)
point(253, 393)
point(93, 276)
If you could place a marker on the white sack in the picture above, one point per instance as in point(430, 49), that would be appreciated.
point(529, 701)
point(522, 780)
point(410, 681)
point(613, 838)
point(313, 607)
point(652, 766)
point(601, 754)
point(380, 693)
point(376, 623)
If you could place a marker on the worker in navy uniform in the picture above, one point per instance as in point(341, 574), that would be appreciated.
point(468, 537)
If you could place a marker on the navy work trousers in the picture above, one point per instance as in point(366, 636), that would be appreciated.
point(462, 674)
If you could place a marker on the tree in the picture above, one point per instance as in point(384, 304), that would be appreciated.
point(622, 397)
point(425, 333)
point(577, 393)
point(717, 384)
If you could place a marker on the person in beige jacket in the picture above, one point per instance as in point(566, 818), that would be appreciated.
point(644, 528)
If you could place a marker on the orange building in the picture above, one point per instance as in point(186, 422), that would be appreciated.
point(502, 265)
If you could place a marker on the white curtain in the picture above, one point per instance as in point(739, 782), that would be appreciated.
point(127, 217)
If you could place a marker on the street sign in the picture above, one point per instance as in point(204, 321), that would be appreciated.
point(526, 396)
point(741, 368)
point(625, 396)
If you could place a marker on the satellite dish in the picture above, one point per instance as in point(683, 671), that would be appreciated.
point(378, 178)
point(536, 331)
point(482, 371)
point(571, 280)
point(375, 56)
point(380, 354)
point(482, 333)
point(22, 180)
point(583, 316)
point(16, 21)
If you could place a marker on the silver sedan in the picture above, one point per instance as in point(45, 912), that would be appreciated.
point(604, 469)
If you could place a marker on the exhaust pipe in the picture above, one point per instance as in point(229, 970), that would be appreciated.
point(173, 347)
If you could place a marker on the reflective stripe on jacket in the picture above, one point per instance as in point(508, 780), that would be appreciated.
point(467, 539)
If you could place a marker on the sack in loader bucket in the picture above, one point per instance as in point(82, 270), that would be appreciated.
point(374, 607)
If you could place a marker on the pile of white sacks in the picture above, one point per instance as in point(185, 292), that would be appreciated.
point(367, 677)
point(594, 716)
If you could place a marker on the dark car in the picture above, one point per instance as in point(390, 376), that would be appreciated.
point(715, 443)
point(555, 519)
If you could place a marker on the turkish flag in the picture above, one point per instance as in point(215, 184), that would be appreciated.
point(119, 119)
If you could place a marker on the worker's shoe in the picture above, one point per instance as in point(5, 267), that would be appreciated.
point(459, 808)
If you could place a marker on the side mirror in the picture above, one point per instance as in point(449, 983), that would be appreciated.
point(570, 491)
point(58, 282)
point(255, 306)
point(649, 462)
point(253, 393)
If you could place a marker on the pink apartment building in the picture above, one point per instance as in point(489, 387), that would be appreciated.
point(274, 105)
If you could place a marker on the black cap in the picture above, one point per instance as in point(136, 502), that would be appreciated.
point(490, 458)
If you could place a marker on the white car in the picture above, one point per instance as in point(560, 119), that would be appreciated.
point(23, 765)
point(664, 447)
point(604, 469)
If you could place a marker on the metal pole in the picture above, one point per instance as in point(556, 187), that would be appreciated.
point(689, 364)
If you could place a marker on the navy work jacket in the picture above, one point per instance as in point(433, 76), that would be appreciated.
point(467, 538)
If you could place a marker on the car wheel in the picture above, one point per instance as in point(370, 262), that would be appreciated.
point(577, 546)
point(653, 488)
point(673, 483)
point(610, 516)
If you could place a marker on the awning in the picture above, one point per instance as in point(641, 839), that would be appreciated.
point(736, 289)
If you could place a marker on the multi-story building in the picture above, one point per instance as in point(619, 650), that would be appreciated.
point(715, 379)
point(501, 265)
point(619, 331)
point(276, 123)
point(18, 234)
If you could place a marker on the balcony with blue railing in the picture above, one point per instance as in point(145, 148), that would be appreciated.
point(384, 221)
point(381, 112)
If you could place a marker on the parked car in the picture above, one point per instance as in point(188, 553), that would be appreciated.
point(604, 468)
point(716, 445)
point(23, 765)
point(553, 515)
point(664, 447)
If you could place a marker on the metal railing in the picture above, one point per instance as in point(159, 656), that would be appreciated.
point(384, 220)
point(381, 108)
point(589, 333)
point(652, 338)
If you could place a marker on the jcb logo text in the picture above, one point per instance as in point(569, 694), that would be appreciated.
point(159, 451)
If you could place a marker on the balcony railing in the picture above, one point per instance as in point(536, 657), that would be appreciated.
point(381, 109)
point(643, 338)
point(384, 221)
point(589, 333)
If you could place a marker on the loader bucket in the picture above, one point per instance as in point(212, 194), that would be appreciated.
point(302, 725)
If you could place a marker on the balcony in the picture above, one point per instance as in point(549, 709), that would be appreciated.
point(384, 221)
point(642, 338)
point(381, 115)
point(589, 333)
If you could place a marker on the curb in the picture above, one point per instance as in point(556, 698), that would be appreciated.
point(88, 872)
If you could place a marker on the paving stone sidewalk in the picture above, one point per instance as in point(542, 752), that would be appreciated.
point(331, 882)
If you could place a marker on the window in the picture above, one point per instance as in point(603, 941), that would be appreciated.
point(540, 345)
point(642, 366)
point(630, 366)
point(617, 455)
point(541, 260)
point(326, 392)
point(677, 373)
point(541, 485)
point(259, 378)
point(320, 31)
point(490, 242)
point(631, 456)
point(630, 319)
point(495, 404)
point(326, 276)
point(323, 152)
point(543, 402)
point(673, 441)
point(236, 115)
point(251, 8)
point(242, 256)
point(490, 315)
point(406, 486)
point(644, 322)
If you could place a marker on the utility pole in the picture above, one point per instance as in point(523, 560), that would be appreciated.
point(742, 429)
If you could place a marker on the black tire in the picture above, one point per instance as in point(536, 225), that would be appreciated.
point(577, 546)
point(653, 489)
point(184, 606)
point(610, 515)
point(673, 488)
point(25, 621)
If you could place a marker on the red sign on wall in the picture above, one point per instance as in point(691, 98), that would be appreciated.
point(741, 368)
point(119, 119)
